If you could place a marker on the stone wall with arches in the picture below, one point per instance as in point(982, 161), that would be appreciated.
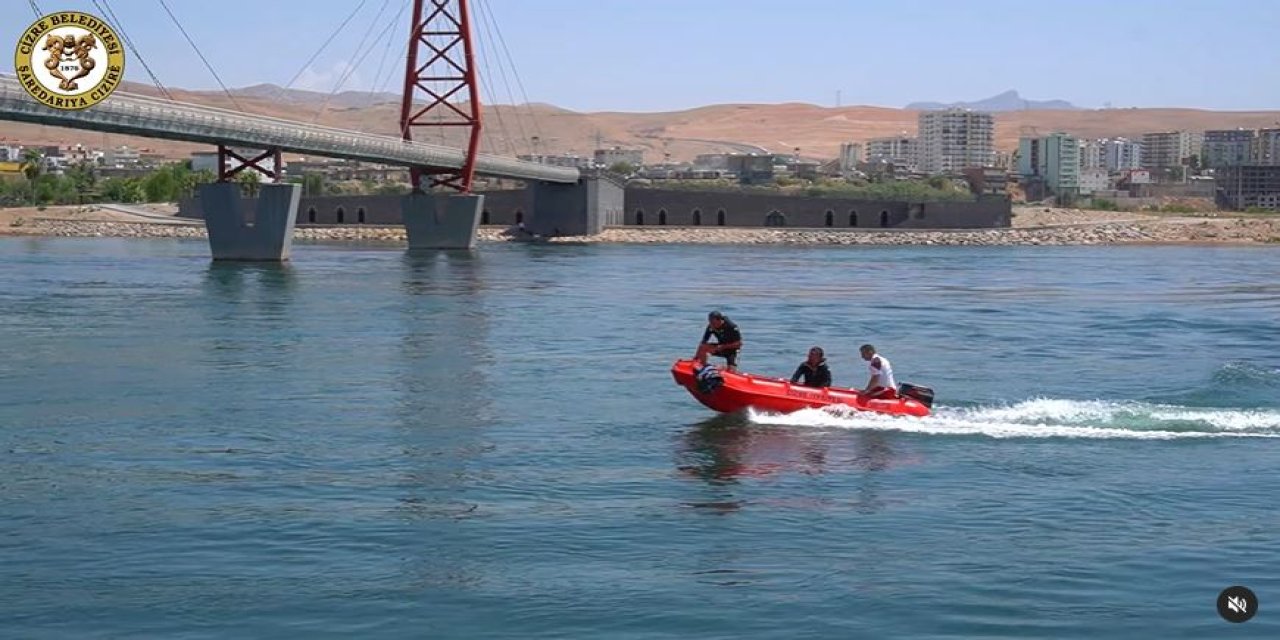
point(672, 207)
point(503, 208)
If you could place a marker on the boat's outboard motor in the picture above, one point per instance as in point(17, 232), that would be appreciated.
point(708, 378)
point(923, 394)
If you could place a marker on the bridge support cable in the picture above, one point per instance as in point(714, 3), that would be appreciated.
point(357, 58)
point(382, 83)
point(492, 99)
point(524, 96)
point(485, 19)
point(35, 8)
point(382, 60)
point(105, 7)
point(441, 34)
point(384, 35)
point(324, 45)
point(203, 59)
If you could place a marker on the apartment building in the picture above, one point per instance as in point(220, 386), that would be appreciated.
point(1229, 147)
point(1093, 154)
point(850, 156)
point(609, 157)
point(1120, 154)
point(1166, 149)
point(1055, 159)
point(1240, 187)
point(898, 150)
point(954, 139)
point(1093, 180)
point(1266, 147)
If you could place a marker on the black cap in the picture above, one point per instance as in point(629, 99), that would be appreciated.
point(714, 315)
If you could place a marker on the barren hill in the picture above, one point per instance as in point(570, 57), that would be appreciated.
point(817, 131)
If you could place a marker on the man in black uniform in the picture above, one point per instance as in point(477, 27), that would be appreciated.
point(728, 340)
point(814, 370)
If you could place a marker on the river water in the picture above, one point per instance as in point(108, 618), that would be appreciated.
point(369, 443)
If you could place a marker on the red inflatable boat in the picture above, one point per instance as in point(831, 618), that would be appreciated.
point(735, 391)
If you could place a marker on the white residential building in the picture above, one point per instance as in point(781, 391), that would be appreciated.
point(899, 150)
point(1121, 154)
point(718, 161)
point(121, 156)
point(1095, 179)
point(955, 139)
point(609, 157)
point(1093, 154)
point(1112, 154)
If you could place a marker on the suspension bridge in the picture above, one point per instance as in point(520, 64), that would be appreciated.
point(441, 90)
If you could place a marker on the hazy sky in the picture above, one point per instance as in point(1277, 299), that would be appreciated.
point(655, 55)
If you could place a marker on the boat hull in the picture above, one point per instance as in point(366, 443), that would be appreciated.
point(777, 395)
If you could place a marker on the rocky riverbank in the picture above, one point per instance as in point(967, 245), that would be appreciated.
point(1032, 226)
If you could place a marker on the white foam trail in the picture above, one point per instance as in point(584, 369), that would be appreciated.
point(1223, 419)
point(1051, 418)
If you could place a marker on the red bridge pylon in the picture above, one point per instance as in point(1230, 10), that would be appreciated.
point(441, 66)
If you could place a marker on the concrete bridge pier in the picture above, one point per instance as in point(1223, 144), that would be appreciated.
point(583, 208)
point(268, 238)
point(441, 220)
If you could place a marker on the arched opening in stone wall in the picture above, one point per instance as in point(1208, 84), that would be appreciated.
point(853, 217)
point(342, 214)
point(662, 216)
point(697, 217)
point(720, 217)
point(775, 219)
point(311, 215)
point(831, 218)
point(640, 217)
point(360, 215)
point(884, 218)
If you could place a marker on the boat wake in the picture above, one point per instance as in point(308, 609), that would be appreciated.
point(1050, 418)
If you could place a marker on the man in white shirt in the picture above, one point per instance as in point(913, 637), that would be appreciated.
point(881, 384)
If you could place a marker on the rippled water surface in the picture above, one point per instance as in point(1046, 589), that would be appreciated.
point(368, 443)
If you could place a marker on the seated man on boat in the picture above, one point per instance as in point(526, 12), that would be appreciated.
point(881, 384)
point(728, 341)
point(814, 370)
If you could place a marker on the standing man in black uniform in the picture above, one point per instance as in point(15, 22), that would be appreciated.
point(728, 340)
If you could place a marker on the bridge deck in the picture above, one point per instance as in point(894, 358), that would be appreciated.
point(139, 115)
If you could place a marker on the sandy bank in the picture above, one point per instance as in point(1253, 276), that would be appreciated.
point(1032, 226)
